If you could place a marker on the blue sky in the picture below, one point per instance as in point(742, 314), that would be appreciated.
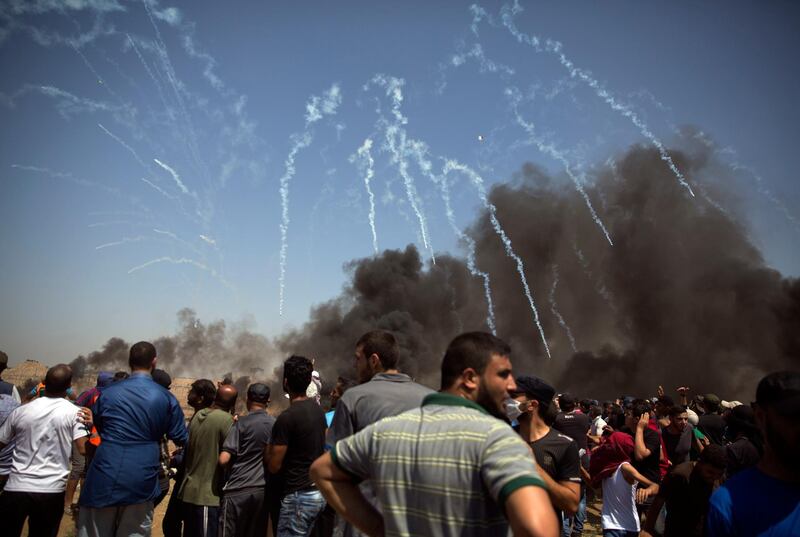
point(102, 102)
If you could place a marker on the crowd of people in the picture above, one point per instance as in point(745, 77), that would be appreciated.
point(494, 450)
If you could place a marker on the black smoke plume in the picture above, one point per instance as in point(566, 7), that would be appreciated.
point(683, 297)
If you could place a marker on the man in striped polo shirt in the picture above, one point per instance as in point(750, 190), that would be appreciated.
point(450, 467)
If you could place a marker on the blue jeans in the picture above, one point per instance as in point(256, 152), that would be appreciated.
point(575, 521)
point(299, 511)
point(620, 533)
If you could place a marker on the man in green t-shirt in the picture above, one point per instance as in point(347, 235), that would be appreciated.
point(202, 484)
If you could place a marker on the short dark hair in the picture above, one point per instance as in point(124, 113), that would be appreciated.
point(382, 343)
point(120, 375)
point(142, 355)
point(639, 407)
point(714, 455)
point(297, 372)
point(206, 390)
point(58, 379)
point(676, 410)
point(162, 378)
point(470, 350)
point(566, 402)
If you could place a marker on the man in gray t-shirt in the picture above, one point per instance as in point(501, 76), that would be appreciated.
point(383, 392)
point(242, 508)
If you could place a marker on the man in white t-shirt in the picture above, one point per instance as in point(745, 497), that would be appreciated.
point(44, 432)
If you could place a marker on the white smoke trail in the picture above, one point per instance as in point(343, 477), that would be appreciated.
point(554, 47)
point(549, 149)
point(367, 163)
point(174, 174)
point(158, 189)
point(123, 240)
point(125, 145)
point(316, 108)
point(184, 261)
point(556, 313)
point(484, 63)
point(396, 144)
point(419, 150)
point(172, 77)
point(167, 233)
point(209, 240)
point(152, 76)
point(477, 181)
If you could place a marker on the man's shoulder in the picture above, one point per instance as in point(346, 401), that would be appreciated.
point(255, 419)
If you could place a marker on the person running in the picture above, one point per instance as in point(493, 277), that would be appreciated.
point(556, 454)
point(298, 437)
point(764, 500)
point(450, 467)
point(242, 507)
point(43, 432)
point(203, 479)
point(132, 416)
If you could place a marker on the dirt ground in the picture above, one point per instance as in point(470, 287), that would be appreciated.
point(591, 527)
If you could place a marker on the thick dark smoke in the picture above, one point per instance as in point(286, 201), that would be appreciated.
point(211, 350)
point(683, 296)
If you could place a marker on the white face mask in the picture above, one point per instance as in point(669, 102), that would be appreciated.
point(513, 410)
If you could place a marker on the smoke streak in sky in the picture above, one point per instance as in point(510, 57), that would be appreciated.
point(507, 15)
point(174, 174)
point(367, 164)
point(549, 149)
point(557, 314)
point(316, 108)
point(477, 181)
point(396, 144)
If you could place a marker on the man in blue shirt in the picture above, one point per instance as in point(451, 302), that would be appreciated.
point(131, 416)
point(764, 500)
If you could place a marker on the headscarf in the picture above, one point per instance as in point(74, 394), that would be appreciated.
point(607, 457)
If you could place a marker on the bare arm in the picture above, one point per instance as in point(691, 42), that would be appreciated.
point(344, 496)
point(631, 475)
point(531, 514)
point(640, 451)
point(652, 515)
point(80, 444)
point(273, 456)
point(224, 458)
point(565, 495)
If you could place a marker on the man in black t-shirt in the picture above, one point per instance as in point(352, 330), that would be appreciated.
point(298, 438)
point(646, 442)
point(572, 422)
point(243, 511)
point(712, 424)
point(556, 454)
point(678, 436)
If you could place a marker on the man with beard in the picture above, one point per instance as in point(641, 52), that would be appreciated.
point(450, 467)
point(765, 499)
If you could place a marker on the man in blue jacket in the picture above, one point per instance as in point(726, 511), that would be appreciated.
point(131, 416)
